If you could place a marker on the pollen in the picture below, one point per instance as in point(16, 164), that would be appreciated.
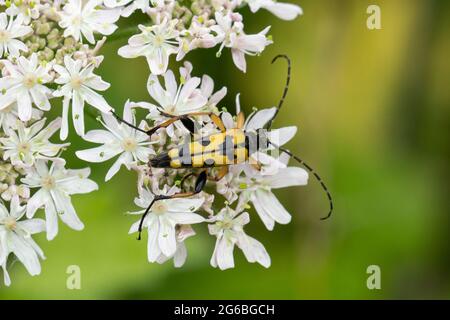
point(129, 145)
point(10, 223)
point(4, 35)
point(30, 80)
point(160, 208)
point(48, 182)
point(159, 40)
point(76, 82)
point(24, 147)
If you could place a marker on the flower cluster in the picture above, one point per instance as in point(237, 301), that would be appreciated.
point(50, 51)
point(169, 221)
point(41, 60)
point(179, 29)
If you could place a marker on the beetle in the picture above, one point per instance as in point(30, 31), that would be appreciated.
point(218, 150)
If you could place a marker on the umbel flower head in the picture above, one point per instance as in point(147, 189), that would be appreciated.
point(50, 60)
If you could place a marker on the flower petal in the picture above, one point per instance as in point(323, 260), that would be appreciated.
point(166, 237)
point(253, 250)
point(260, 119)
point(266, 203)
point(287, 177)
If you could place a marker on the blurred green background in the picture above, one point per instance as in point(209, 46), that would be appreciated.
point(373, 114)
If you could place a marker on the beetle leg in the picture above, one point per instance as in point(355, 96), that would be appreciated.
point(218, 122)
point(199, 185)
point(256, 166)
point(165, 124)
point(240, 120)
point(222, 173)
point(214, 117)
point(184, 178)
point(188, 123)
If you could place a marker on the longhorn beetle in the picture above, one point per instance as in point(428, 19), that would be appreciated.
point(219, 150)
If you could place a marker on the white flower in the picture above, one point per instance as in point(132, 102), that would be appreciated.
point(162, 220)
point(231, 34)
point(9, 32)
point(129, 8)
point(15, 237)
point(285, 11)
point(258, 189)
point(29, 144)
point(9, 116)
point(197, 36)
point(179, 257)
point(84, 18)
point(227, 187)
point(156, 43)
point(23, 192)
point(56, 184)
point(78, 86)
point(24, 84)
point(28, 8)
point(119, 139)
point(207, 90)
point(174, 99)
point(228, 228)
point(161, 9)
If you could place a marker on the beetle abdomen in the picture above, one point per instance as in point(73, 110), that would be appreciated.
point(221, 149)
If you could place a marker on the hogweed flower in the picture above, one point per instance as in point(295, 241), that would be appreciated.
point(28, 144)
point(50, 51)
point(162, 221)
point(10, 33)
point(258, 190)
point(231, 34)
point(285, 11)
point(155, 43)
point(78, 85)
point(24, 84)
point(228, 227)
point(56, 184)
point(15, 238)
point(118, 139)
point(84, 18)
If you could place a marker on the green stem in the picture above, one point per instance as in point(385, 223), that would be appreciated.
point(91, 113)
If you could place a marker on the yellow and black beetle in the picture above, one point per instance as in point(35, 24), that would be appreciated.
point(219, 150)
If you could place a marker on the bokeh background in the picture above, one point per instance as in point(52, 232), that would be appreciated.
point(372, 109)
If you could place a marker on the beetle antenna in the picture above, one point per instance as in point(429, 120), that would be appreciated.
point(127, 123)
point(141, 222)
point(316, 175)
point(286, 88)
